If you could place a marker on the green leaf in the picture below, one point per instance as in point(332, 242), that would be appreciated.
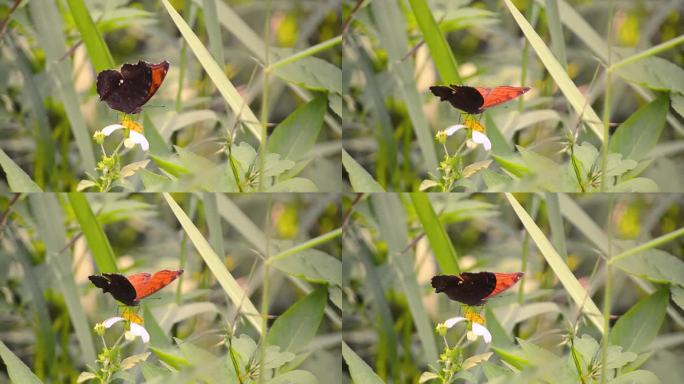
point(294, 329)
point(653, 264)
point(360, 372)
point(359, 178)
point(635, 330)
point(560, 268)
point(295, 184)
point(636, 185)
point(678, 295)
point(637, 136)
point(99, 245)
point(578, 102)
point(296, 376)
point(311, 264)
point(441, 53)
point(216, 265)
point(309, 72)
point(652, 72)
point(98, 52)
point(640, 376)
point(18, 371)
point(230, 94)
point(441, 245)
point(294, 138)
point(17, 179)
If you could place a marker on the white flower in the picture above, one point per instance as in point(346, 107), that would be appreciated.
point(136, 330)
point(481, 138)
point(476, 330)
point(133, 138)
point(477, 137)
point(453, 129)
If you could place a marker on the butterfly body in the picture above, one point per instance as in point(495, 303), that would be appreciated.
point(129, 89)
point(130, 290)
point(474, 288)
point(475, 100)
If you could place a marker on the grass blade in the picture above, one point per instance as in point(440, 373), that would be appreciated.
point(217, 267)
point(441, 245)
point(218, 77)
point(441, 53)
point(392, 225)
point(569, 281)
point(569, 89)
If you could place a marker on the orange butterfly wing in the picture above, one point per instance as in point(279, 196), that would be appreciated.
point(498, 95)
point(505, 281)
point(146, 284)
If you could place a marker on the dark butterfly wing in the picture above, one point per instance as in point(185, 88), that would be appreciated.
point(128, 90)
point(467, 288)
point(117, 285)
point(462, 97)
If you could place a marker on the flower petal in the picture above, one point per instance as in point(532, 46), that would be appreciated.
point(111, 321)
point(138, 138)
point(453, 129)
point(108, 130)
point(480, 330)
point(453, 321)
point(481, 138)
point(139, 330)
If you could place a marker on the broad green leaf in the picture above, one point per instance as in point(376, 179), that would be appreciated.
point(309, 72)
point(296, 376)
point(360, 372)
point(294, 138)
point(359, 178)
point(652, 72)
point(635, 330)
point(18, 371)
point(636, 185)
point(17, 179)
point(640, 377)
point(653, 264)
point(171, 357)
point(295, 184)
point(158, 146)
point(294, 329)
point(310, 264)
point(637, 136)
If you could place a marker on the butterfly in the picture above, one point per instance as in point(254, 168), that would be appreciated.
point(130, 290)
point(474, 288)
point(129, 89)
point(475, 100)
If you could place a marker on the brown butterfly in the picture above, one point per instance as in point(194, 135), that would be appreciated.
point(130, 290)
point(474, 288)
point(475, 100)
point(129, 89)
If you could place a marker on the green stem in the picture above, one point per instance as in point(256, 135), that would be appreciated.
point(648, 245)
point(306, 245)
point(305, 53)
point(649, 52)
